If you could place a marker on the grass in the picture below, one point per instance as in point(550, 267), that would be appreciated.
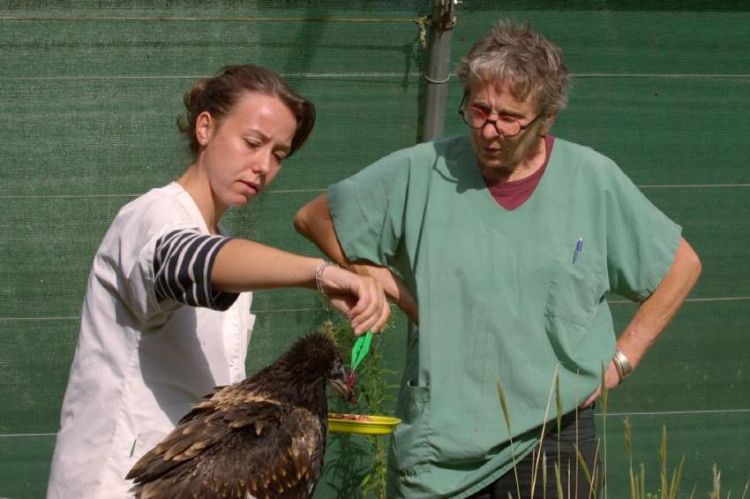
point(669, 488)
point(669, 482)
point(360, 467)
point(591, 476)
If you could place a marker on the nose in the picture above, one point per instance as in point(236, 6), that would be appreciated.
point(262, 163)
point(489, 130)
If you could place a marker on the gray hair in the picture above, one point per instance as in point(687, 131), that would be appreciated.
point(530, 63)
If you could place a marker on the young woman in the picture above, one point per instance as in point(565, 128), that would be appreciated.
point(166, 316)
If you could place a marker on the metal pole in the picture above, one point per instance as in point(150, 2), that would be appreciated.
point(438, 69)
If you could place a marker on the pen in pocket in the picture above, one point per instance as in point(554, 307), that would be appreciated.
point(579, 248)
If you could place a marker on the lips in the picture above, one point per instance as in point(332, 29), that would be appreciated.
point(253, 187)
point(489, 151)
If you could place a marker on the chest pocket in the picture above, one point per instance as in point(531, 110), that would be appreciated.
point(573, 295)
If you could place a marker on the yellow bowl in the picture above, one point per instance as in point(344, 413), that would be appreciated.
point(372, 425)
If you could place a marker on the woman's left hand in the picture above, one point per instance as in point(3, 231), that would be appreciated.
point(360, 298)
point(611, 380)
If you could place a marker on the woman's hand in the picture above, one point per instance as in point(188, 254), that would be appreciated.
point(360, 298)
point(611, 380)
point(655, 313)
point(314, 221)
point(394, 288)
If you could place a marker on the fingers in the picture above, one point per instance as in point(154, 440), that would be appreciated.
point(611, 380)
point(360, 298)
point(395, 289)
point(371, 311)
point(375, 322)
point(592, 398)
point(611, 377)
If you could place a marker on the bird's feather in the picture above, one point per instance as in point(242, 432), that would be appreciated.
point(260, 437)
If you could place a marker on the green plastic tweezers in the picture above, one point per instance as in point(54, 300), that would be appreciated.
point(360, 349)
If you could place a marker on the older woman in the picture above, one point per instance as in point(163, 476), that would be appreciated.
point(166, 316)
point(505, 242)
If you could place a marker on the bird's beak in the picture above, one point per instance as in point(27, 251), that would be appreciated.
point(343, 384)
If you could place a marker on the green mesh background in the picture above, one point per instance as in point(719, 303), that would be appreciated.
point(89, 92)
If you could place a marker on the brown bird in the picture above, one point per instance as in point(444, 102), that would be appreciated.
point(263, 437)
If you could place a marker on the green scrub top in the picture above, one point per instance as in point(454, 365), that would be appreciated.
point(501, 297)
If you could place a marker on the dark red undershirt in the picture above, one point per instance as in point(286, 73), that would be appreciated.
point(511, 195)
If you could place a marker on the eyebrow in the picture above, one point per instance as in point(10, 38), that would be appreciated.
point(286, 148)
point(507, 112)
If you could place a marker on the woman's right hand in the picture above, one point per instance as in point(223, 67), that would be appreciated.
point(395, 289)
point(360, 298)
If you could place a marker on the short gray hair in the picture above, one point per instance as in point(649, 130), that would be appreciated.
point(531, 64)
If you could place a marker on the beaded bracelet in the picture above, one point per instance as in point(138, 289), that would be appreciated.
point(319, 276)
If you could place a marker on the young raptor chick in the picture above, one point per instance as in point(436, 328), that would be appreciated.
point(262, 437)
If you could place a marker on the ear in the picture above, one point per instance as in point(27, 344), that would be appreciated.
point(204, 128)
point(547, 123)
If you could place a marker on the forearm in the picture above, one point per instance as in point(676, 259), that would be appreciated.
point(243, 265)
point(657, 311)
point(314, 221)
point(654, 314)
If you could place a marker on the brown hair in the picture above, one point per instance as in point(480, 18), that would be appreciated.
point(219, 93)
point(530, 63)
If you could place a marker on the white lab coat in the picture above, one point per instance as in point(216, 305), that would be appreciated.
point(139, 365)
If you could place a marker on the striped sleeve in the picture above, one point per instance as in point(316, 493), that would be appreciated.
point(183, 261)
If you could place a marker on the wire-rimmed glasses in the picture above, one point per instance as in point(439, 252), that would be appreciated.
point(477, 117)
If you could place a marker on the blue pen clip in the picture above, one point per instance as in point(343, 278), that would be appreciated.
point(579, 248)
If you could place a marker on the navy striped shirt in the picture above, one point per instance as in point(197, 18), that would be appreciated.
point(183, 261)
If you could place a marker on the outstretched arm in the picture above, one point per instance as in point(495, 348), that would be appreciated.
point(655, 313)
point(243, 265)
point(204, 270)
point(315, 223)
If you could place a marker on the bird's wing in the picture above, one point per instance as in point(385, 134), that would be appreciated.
point(198, 430)
point(264, 448)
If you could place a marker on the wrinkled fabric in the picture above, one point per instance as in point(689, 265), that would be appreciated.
point(140, 364)
point(501, 300)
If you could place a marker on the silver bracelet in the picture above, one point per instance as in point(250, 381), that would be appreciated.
point(319, 276)
point(622, 365)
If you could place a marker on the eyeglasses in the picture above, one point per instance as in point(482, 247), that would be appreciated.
point(477, 117)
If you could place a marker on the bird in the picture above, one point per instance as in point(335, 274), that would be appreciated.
point(263, 437)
